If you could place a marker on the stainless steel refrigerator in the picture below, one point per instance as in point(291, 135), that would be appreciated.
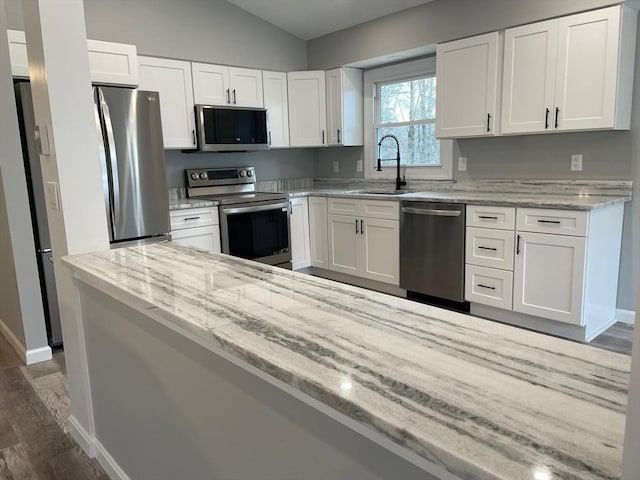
point(133, 171)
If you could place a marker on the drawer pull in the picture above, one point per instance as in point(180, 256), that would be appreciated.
point(186, 219)
point(489, 248)
point(487, 217)
point(555, 222)
point(486, 286)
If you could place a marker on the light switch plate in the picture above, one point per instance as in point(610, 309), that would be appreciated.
point(576, 162)
point(53, 201)
point(462, 164)
point(336, 166)
point(359, 166)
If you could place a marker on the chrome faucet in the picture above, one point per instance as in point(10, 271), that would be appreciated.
point(399, 181)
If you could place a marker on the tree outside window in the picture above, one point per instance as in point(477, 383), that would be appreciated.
point(407, 109)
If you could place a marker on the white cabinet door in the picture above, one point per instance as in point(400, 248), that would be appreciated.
point(206, 238)
point(246, 87)
point(210, 84)
point(318, 232)
point(307, 109)
point(345, 107)
point(172, 78)
point(344, 244)
point(381, 250)
point(467, 85)
point(277, 105)
point(548, 278)
point(587, 74)
point(528, 85)
point(300, 248)
point(113, 63)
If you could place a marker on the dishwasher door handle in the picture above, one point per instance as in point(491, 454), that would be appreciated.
point(432, 212)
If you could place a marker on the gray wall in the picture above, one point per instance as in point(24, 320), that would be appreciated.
point(20, 305)
point(271, 165)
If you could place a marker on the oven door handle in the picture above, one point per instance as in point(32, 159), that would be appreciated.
point(284, 206)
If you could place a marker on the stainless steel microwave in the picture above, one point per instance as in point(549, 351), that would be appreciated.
point(231, 129)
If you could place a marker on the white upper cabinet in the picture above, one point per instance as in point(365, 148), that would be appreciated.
point(172, 78)
point(230, 86)
point(109, 63)
point(528, 87)
point(307, 108)
point(467, 77)
point(568, 74)
point(277, 105)
point(345, 106)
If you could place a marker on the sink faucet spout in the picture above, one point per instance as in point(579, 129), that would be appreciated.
point(399, 181)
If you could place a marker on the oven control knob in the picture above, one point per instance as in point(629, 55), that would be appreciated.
point(249, 173)
point(195, 176)
point(242, 173)
point(203, 176)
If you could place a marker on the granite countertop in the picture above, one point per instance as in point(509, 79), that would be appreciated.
point(484, 400)
point(181, 203)
point(507, 199)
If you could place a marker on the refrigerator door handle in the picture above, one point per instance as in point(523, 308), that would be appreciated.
point(112, 161)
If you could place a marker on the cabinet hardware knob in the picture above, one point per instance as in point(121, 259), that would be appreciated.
point(488, 122)
point(487, 217)
point(193, 134)
point(361, 227)
point(338, 135)
point(228, 96)
point(555, 222)
point(235, 100)
point(323, 137)
point(518, 246)
point(186, 219)
point(557, 113)
point(488, 248)
point(486, 286)
point(357, 226)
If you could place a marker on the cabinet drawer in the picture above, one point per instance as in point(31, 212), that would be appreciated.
point(193, 217)
point(560, 222)
point(490, 248)
point(489, 286)
point(344, 206)
point(381, 209)
point(386, 209)
point(503, 218)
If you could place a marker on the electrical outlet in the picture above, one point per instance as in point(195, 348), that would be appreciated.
point(359, 166)
point(462, 164)
point(576, 162)
point(336, 166)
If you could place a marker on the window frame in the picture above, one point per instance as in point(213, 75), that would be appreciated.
point(395, 73)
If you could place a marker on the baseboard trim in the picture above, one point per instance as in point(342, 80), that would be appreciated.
point(13, 340)
point(37, 355)
point(625, 316)
point(107, 462)
point(82, 437)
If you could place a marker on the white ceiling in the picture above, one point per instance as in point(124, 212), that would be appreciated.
point(309, 19)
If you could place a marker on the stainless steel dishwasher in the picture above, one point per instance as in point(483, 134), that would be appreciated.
point(432, 249)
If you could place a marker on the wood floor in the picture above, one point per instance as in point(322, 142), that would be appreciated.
point(34, 404)
point(34, 441)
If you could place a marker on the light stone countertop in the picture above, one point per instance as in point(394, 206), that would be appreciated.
point(506, 199)
point(182, 203)
point(487, 401)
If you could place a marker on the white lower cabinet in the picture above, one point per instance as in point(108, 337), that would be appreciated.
point(549, 276)
point(206, 238)
point(299, 221)
point(318, 237)
point(196, 227)
point(366, 247)
point(489, 286)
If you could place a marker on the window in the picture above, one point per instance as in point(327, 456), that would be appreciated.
point(407, 109)
point(401, 100)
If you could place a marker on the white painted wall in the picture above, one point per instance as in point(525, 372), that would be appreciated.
point(21, 310)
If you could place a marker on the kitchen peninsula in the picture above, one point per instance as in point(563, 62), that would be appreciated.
point(208, 366)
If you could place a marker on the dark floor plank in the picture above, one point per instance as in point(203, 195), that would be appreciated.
point(618, 338)
point(8, 356)
point(14, 465)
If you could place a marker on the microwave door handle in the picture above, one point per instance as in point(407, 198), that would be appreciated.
point(112, 162)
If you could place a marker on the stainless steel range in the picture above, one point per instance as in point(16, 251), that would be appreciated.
point(253, 225)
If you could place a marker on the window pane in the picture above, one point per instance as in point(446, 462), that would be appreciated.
point(408, 101)
point(418, 145)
